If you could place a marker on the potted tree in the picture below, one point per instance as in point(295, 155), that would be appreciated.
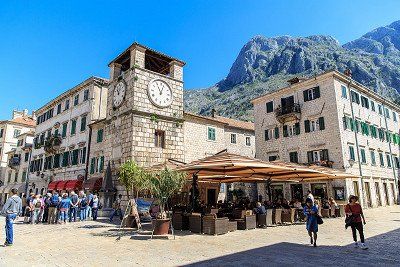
point(163, 185)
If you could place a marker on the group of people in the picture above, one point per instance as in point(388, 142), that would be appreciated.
point(354, 219)
point(60, 208)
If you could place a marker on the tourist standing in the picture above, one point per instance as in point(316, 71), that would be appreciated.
point(36, 207)
point(47, 204)
point(310, 195)
point(311, 211)
point(88, 207)
point(355, 219)
point(12, 209)
point(82, 206)
point(54, 202)
point(95, 205)
point(28, 208)
point(64, 206)
point(74, 207)
point(117, 208)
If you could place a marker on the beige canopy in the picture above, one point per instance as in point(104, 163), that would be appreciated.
point(225, 167)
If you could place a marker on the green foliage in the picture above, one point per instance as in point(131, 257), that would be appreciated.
point(133, 177)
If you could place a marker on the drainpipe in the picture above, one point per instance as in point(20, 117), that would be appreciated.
point(390, 148)
point(357, 148)
point(28, 171)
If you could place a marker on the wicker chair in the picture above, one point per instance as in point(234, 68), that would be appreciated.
point(288, 216)
point(269, 216)
point(277, 219)
point(215, 226)
point(248, 222)
point(180, 221)
point(195, 223)
point(232, 226)
point(261, 220)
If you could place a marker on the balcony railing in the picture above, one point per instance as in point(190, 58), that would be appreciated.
point(288, 112)
point(323, 163)
point(14, 162)
point(52, 144)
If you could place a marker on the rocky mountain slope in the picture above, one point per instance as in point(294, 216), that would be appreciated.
point(265, 64)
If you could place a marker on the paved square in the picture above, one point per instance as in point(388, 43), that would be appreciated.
point(94, 243)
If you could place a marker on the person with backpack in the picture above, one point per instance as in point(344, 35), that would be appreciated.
point(63, 207)
point(82, 206)
point(74, 206)
point(36, 207)
point(88, 207)
point(54, 202)
point(95, 205)
point(28, 208)
point(355, 219)
point(46, 203)
point(11, 209)
point(311, 212)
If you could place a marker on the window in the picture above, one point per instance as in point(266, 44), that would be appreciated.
point(86, 95)
point(100, 164)
point(100, 135)
point(372, 154)
point(373, 131)
point(1, 133)
point(66, 104)
point(58, 108)
point(394, 116)
point(83, 123)
point(388, 160)
point(317, 155)
point(270, 107)
point(248, 141)
point(267, 134)
point(272, 158)
point(381, 161)
point(9, 177)
point(73, 126)
point(364, 128)
point(293, 157)
point(16, 177)
point(397, 162)
point(355, 97)
point(76, 100)
point(380, 109)
point(387, 114)
point(311, 94)
point(56, 163)
point(233, 138)
point(16, 132)
point(75, 157)
point(26, 156)
point(276, 132)
point(65, 159)
point(290, 130)
point(314, 125)
point(372, 105)
point(64, 130)
point(364, 102)
point(159, 139)
point(83, 155)
point(211, 133)
point(24, 176)
point(344, 91)
point(363, 157)
point(352, 155)
point(92, 165)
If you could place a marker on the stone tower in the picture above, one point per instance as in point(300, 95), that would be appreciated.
point(144, 119)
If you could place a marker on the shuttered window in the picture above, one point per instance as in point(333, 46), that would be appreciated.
point(211, 133)
point(65, 159)
point(344, 91)
point(101, 164)
point(64, 130)
point(276, 134)
point(294, 157)
point(73, 127)
point(321, 123)
point(75, 156)
point(270, 107)
point(311, 94)
point(307, 126)
point(92, 165)
point(83, 123)
point(363, 156)
point(351, 151)
point(100, 135)
point(285, 131)
point(372, 155)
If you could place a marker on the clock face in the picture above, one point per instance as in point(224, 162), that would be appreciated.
point(119, 94)
point(160, 93)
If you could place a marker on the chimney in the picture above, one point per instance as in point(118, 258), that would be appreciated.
point(348, 72)
point(213, 113)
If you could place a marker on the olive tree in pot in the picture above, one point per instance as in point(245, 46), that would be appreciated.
point(134, 178)
point(164, 184)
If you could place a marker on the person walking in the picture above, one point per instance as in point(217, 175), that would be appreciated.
point(74, 206)
point(95, 205)
point(36, 207)
point(47, 203)
point(12, 209)
point(28, 208)
point(88, 207)
point(311, 211)
point(117, 208)
point(82, 206)
point(310, 196)
point(54, 202)
point(63, 207)
point(355, 219)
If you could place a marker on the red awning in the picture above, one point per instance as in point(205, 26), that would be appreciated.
point(73, 185)
point(52, 185)
point(93, 184)
point(61, 185)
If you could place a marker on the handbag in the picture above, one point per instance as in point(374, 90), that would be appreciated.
point(319, 219)
point(349, 219)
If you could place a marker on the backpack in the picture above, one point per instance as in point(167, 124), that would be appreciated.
point(83, 202)
point(54, 200)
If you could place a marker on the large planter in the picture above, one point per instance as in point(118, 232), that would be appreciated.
point(161, 226)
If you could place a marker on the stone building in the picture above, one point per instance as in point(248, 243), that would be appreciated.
point(60, 148)
point(333, 121)
point(20, 123)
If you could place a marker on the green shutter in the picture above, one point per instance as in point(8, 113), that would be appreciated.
point(307, 126)
point(92, 163)
point(83, 123)
point(266, 137)
point(297, 128)
point(73, 127)
point(101, 165)
point(64, 130)
point(321, 123)
point(276, 132)
point(285, 131)
point(99, 135)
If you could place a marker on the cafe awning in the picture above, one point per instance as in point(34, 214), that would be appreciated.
point(93, 184)
point(52, 185)
point(226, 167)
point(61, 185)
point(73, 185)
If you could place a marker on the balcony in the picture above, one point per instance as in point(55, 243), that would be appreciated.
point(323, 163)
point(288, 113)
point(52, 144)
point(14, 162)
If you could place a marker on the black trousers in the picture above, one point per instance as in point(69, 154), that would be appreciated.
point(357, 226)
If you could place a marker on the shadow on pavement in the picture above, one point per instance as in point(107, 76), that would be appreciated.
point(383, 250)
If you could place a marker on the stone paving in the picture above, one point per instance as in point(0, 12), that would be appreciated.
point(93, 243)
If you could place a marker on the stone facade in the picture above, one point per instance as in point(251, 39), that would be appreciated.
point(331, 142)
point(67, 117)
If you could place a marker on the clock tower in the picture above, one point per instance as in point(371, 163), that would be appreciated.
point(144, 120)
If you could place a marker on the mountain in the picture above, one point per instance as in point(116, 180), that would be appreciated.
point(265, 64)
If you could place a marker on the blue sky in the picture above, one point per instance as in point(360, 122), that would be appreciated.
point(48, 47)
